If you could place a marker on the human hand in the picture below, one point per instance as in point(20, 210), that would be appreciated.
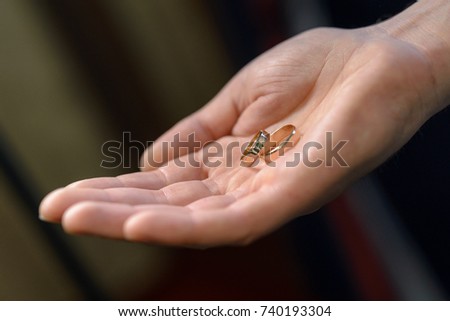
point(363, 86)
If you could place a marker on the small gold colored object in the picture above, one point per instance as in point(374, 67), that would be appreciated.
point(269, 146)
point(281, 139)
point(255, 148)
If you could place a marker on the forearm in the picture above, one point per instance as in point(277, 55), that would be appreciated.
point(426, 24)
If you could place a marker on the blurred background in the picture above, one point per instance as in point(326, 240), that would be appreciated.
point(75, 74)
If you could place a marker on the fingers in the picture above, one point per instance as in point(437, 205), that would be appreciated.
point(97, 218)
point(208, 220)
point(210, 123)
point(109, 219)
point(233, 218)
point(54, 204)
point(57, 203)
point(180, 226)
point(129, 189)
point(240, 222)
point(169, 174)
point(161, 224)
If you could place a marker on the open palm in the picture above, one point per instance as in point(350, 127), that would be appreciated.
point(361, 86)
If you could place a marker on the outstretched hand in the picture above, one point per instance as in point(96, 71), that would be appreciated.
point(364, 87)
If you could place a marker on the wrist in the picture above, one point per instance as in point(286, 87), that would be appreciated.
point(426, 25)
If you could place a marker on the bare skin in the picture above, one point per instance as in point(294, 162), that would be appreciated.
point(373, 87)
